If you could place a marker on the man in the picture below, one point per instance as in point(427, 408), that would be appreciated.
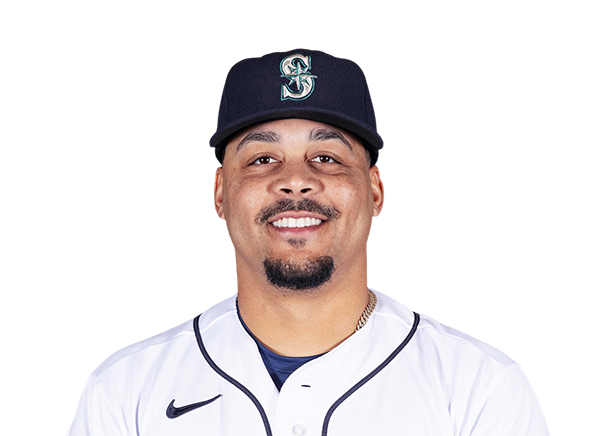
point(304, 348)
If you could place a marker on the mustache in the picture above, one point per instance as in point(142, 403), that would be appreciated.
point(287, 204)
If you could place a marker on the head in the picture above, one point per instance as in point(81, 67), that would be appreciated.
point(298, 197)
point(298, 186)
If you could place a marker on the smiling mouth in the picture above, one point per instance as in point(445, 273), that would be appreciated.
point(297, 222)
point(303, 213)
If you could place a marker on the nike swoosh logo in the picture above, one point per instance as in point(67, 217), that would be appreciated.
point(174, 412)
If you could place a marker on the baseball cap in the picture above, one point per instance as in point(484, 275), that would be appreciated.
point(300, 83)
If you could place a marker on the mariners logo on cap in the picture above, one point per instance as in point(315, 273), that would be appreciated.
point(296, 68)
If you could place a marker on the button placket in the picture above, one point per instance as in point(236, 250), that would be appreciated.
point(297, 406)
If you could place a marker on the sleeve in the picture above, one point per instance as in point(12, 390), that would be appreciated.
point(95, 416)
point(511, 409)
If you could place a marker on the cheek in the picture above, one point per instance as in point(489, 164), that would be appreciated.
point(355, 200)
point(242, 203)
point(354, 195)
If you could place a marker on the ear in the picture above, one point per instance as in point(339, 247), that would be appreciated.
point(219, 192)
point(377, 188)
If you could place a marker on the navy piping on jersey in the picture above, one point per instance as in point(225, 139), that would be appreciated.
point(230, 379)
point(370, 375)
point(335, 405)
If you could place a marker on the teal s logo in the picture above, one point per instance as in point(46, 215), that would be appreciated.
point(296, 68)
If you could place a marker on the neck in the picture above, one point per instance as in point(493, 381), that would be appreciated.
point(303, 323)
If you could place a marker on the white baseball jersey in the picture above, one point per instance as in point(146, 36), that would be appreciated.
point(401, 374)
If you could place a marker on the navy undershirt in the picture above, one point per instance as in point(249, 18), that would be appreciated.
point(279, 367)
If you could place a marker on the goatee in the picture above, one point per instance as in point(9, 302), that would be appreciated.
point(299, 275)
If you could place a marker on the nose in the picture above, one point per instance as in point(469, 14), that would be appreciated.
point(296, 180)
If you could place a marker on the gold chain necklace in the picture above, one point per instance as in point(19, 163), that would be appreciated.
point(368, 311)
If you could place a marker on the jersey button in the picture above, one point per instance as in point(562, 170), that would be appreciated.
point(299, 430)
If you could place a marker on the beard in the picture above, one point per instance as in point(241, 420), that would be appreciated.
point(299, 276)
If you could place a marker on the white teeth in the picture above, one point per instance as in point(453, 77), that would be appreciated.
point(296, 222)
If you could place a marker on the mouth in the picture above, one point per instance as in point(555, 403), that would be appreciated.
point(297, 221)
point(294, 223)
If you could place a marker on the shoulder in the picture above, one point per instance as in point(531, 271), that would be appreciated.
point(464, 373)
point(159, 349)
point(446, 345)
point(151, 348)
point(452, 340)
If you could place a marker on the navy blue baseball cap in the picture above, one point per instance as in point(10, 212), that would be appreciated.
point(300, 83)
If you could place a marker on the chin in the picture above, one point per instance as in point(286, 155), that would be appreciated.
point(299, 275)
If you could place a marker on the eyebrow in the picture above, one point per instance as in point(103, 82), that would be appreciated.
point(258, 136)
point(329, 134)
point(314, 135)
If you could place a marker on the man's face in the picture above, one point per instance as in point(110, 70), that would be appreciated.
point(298, 197)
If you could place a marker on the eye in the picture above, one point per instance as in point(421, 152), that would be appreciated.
point(264, 160)
point(324, 159)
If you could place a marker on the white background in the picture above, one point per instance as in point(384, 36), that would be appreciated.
point(34, 36)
